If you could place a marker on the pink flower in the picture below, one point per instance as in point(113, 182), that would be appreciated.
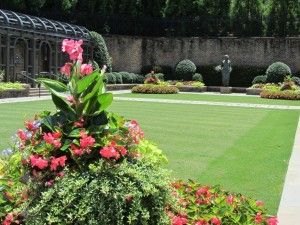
point(86, 69)
point(66, 69)
point(70, 99)
point(87, 142)
point(272, 221)
point(49, 183)
point(8, 219)
point(203, 191)
point(76, 150)
point(52, 139)
point(55, 162)
point(39, 162)
point(122, 150)
point(73, 48)
point(215, 221)
point(179, 220)
point(230, 200)
point(22, 135)
point(258, 218)
point(79, 123)
point(260, 203)
point(109, 152)
point(201, 222)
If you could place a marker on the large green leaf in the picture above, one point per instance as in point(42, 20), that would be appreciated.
point(63, 106)
point(86, 81)
point(105, 101)
point(53, 85)
point(96, 88)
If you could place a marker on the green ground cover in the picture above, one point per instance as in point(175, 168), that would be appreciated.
point(216, 98)
point(244, 150)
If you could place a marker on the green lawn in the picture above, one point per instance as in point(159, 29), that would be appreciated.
point(216, 98)
point(244, 150)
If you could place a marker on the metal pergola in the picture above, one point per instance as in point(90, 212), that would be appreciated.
point(32, 45)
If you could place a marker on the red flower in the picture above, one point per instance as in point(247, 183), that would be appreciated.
point(260, 203)
point(122, 150)
point(230, 200)
point(76, 150)
point(52, 139)
point(66, 69)
point(22, 135)
point(87, 142)
point(55, 162)
point(73, 48)
point(39, 162)
point(179, 220)
point(109, 152)
point(201, 222)
point(86, 69)
point(203, 191)
point(79, 123)
point(272, 221)
point(8, 219)
point(258, 218)
point(30, 125)
point(215, 221)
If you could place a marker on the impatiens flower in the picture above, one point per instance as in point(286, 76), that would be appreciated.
point(179, 220)
point(201, 222)
point(8, 219)
point(39, 162)
point(76, 150)
point(73, 48)
point(86, 141)
point(52, 139)
point(22, 135)
point(258, 218)
point(109, 152)
point(203, 191)
point(230, 200)
point(56, 162)
point(135, 131)
point(66, 69)
point(86, 69)
point(260, 203)
point(272, 221)
point(31, 126)
point(215, 221)
point(79, 123)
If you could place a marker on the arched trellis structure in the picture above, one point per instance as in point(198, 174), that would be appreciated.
point(32, 45)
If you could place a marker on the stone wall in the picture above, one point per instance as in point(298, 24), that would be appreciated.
point(132, 53)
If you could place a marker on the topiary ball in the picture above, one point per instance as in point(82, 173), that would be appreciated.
point(277, 72)
point(140, 79)
point(119, 79)
point(296, 80)
point(126, 77)
point(110, 78)
point(185, 69)
point(262, 79)
point(198, 77)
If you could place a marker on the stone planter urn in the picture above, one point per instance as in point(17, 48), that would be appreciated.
point(225, 90)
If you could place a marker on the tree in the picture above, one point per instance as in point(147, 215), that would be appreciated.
point(247, 17)
point(152, 8)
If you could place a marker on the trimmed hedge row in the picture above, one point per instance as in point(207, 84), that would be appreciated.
point(123, 78)
point(154, 89)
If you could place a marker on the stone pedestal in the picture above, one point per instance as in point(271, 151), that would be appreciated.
point(226, 90)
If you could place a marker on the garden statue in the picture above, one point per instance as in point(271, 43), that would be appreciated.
point(226, 70)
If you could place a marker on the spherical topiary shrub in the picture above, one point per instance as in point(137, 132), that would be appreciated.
point(110, 78)
point(296, 80)
point(277, 72)
point(262, 79)
point(198, 77)
point(118, 78)
point(100, 52)
point(140, 79)
point(185, 69)
point(126, 77)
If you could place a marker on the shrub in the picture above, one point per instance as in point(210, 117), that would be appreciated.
point(118, 78)
point(132, 193)
point(154, 89)
point(296, 80)
point(110, 78)
point(152, 80)
point(159, 76)
point(198, 77)
point(140, 79)
point(262, 79)
point(2, 75)
point(126, 77)
point(168, 71)
point(185, 69)
point(277, 72)
point(275, 94)
point(101, 55)
point(204, 205)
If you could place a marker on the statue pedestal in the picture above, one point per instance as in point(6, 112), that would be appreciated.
point(226, 90)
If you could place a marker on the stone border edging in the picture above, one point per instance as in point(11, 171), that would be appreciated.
point(289, 208)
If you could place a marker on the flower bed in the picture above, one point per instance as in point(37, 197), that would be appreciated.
point(13, 90)
point(286, 95)
point(154, 89)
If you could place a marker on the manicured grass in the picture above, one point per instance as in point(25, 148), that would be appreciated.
point(244, 150)
point(216, 98)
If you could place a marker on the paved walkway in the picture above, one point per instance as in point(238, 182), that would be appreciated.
point(188, 102)
point(289, 208)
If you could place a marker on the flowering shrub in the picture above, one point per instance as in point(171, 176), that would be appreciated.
point(154, 89)
point(205, 205)
point(190, 83)
point(79, 155)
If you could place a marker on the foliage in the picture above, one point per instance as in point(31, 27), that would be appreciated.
point(8, 86)
point(203, 205)
point(296, 80)
point(152, 80)
point(119, 79)
point(262, 79)
point(159, 76)
point(154, 89)
point(278, 94)
point(197, 77)
point(2, 75)
point(190, 83)
point(110, 78)
point(126, 77)
point(185, 69)
point(277, 72)
point(129, 193)
point(101, 55)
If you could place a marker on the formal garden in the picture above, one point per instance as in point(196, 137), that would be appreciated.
point(89, 139)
